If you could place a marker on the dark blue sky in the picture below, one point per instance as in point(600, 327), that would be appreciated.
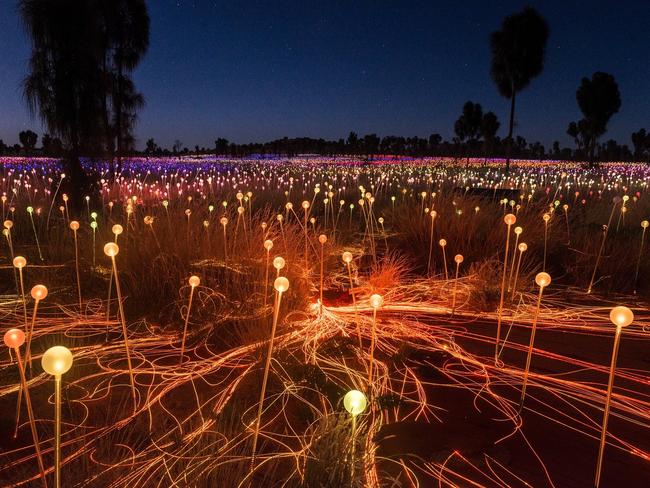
point(255, 71)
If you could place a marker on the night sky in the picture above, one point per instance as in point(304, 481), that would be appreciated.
point(256, 71)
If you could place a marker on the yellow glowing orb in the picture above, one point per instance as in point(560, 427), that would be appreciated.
point(621, 316)
point(281, 284)
point(111, 249)
point(57, 360)
point(354, 402)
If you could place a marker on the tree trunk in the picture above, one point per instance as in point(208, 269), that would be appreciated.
point(77, 179)
point(512, 121)
point(592, 149)
point(118, 114)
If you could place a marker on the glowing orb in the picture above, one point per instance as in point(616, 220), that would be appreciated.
point(39, 292)
point(14, 338)
point(621, 316)
point(542, 279)
point(57, 360)
point(111, 249)
point(354, 402)
point(281, 284)
point(376, 301)
point(278, 263)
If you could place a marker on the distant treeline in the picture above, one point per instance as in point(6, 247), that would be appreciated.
point(369, 145)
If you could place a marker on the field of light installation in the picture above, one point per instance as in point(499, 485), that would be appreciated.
point(219, 313)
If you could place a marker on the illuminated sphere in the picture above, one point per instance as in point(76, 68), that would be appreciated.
point(39, 292)
point(194, 281)
point(111, 249)
point(347, 257)
point(354, 402)
point(279, 217)
point(305, 204)
point(518, 230)
point(8, 224)
point(240, 210)
point(223, 221)
point(380, 220)
point(510, 219)
point(542, 279)
point(621, 316)
point(148, 220)
point(117, 229)
point(645, 224)
point(281, 284)
point(74, 225)
point(322, 238)
point(20, 262)
point(278, 263)
point(442, 242)
point(312, 220)
point(263, 225)
point(376, 301)
point(459, 258)
point(289, 206)
point(433, 214)
point(565, 207)
point(93, 225)
point(14, 338)
point(57, 360)
point(522, 247)
point(546, 217)
point(268, 244)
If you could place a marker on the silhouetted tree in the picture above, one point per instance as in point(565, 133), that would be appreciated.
point(352, 142)
point(64, 83)
point(126, 24)
point(598, 99)
point(82, 55)
point(641, 142)
point(434, 143)
point(28, 139)
point(517, 57)
point(151, 147)
point(468, 126)
point(221, 146)
point(52, 146)
point(371, 144)
point(489, 126)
